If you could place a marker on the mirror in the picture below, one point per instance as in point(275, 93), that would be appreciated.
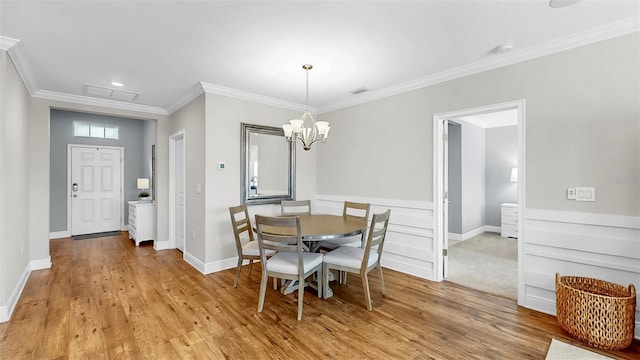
point(268, 165)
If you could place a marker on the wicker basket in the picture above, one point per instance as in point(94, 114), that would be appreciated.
point(599, 313)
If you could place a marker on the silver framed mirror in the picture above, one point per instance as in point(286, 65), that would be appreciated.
point(268, 172)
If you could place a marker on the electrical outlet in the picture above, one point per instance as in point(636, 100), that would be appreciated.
point(571, 193)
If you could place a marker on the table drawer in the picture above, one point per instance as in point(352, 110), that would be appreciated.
point(509, 220)
point(509, 231)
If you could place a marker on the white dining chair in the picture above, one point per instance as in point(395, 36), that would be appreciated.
point(291, 207)
point(246, 246)
point(284, 235)
point(360, 260)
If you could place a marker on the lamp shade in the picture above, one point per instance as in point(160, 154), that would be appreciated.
point(514, 175)
point(143, 184)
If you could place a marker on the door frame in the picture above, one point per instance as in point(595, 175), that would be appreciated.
point(173, 137)
point(69, 194)
point(439, 166)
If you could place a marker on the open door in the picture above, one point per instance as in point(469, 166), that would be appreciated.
point(445, 198)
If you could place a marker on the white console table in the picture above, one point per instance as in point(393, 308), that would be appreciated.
point(142, 221)
point(509, 214)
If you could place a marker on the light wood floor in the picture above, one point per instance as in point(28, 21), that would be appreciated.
point(105, 299)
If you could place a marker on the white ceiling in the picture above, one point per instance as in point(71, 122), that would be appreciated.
point(161, 50)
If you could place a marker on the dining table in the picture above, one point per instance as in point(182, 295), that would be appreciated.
point(316, 228)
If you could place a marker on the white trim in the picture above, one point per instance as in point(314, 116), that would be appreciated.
point(220, 265)
point(60, 234)
point(245, 95)
point(406, 268)
point(194, 261)
point(7, 310)
point(477, 231)
point(121, 200)
point(40, 264)
point(413, 204)
point(21, 62)
point(172, 192)
point(161, 245)
point(191, 94)
point(608, 31)
point(7, 43)
point(629, 222)
point(91, 101)
point(438, 189)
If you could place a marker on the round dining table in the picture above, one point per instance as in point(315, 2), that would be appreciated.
point(316, 228)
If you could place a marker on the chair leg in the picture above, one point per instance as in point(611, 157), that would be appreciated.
point(343, 276)
point(325, 280)
point(367, 294)
point(381, 280)
point(263, 290)
point(250, 266)
point(300, 297)
point(320, 277)
point(275, 283)
point(238, 268)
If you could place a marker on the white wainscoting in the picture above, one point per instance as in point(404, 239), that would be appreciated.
point(605, 247)
point(409, 244)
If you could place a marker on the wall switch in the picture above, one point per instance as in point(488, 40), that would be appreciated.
point(571, 193)
point(585, 194)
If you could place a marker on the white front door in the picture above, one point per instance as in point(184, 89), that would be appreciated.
point(95, 187)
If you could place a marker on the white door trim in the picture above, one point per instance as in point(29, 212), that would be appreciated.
point(438, 182)
point(121, 200)
point(173, 137)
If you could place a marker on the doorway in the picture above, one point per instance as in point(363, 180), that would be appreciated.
point(177, 190)
point(95, 190)
point(441, 190)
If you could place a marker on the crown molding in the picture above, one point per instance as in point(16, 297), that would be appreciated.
point(7, 43)
point(19, 57)
point(91, 101)
point(605, 32)
point(244, 95)
point(191, 94)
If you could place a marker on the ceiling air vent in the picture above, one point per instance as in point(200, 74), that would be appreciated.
point(359, 90)
point(102, 91)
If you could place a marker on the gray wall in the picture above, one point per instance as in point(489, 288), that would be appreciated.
point(502, 156)
point(455, 178)
point(131, 135)
point(473, 176)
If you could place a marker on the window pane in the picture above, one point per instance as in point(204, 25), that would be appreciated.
point(111, 133)
point(97, 131)
point(80, 129)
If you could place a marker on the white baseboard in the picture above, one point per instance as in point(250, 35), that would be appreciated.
point(59, 234)
point(161, 245)
point(40, 264)
point(221, 265)
point(193, 261)
point(477, 231)
point(407, 268)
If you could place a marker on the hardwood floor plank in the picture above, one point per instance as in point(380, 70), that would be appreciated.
point(105, 298)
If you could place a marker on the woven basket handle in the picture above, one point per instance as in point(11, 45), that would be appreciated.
point(632, 290)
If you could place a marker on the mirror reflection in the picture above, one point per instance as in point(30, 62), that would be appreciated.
point(267, 169)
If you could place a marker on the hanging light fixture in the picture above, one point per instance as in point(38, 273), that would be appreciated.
point(306, 130)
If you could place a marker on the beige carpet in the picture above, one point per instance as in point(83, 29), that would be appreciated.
point(559, 350)
point(486, 262)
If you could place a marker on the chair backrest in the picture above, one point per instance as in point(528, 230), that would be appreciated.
point(279, 234)
point(241, 223)
point(357, 210)
point(289, 207)
point(377, 233)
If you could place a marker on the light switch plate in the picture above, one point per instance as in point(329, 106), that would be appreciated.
point(585, 194)
point(571, 193)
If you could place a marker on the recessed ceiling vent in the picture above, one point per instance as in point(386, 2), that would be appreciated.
point(102, 91)
point(359, 90)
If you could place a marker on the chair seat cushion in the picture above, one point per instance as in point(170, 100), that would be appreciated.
point(287, 262)
point(349, 257)
point(251, 249)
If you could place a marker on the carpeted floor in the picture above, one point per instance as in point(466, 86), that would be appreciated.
point(486, 262)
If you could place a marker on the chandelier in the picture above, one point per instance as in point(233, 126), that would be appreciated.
point(306, 130)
